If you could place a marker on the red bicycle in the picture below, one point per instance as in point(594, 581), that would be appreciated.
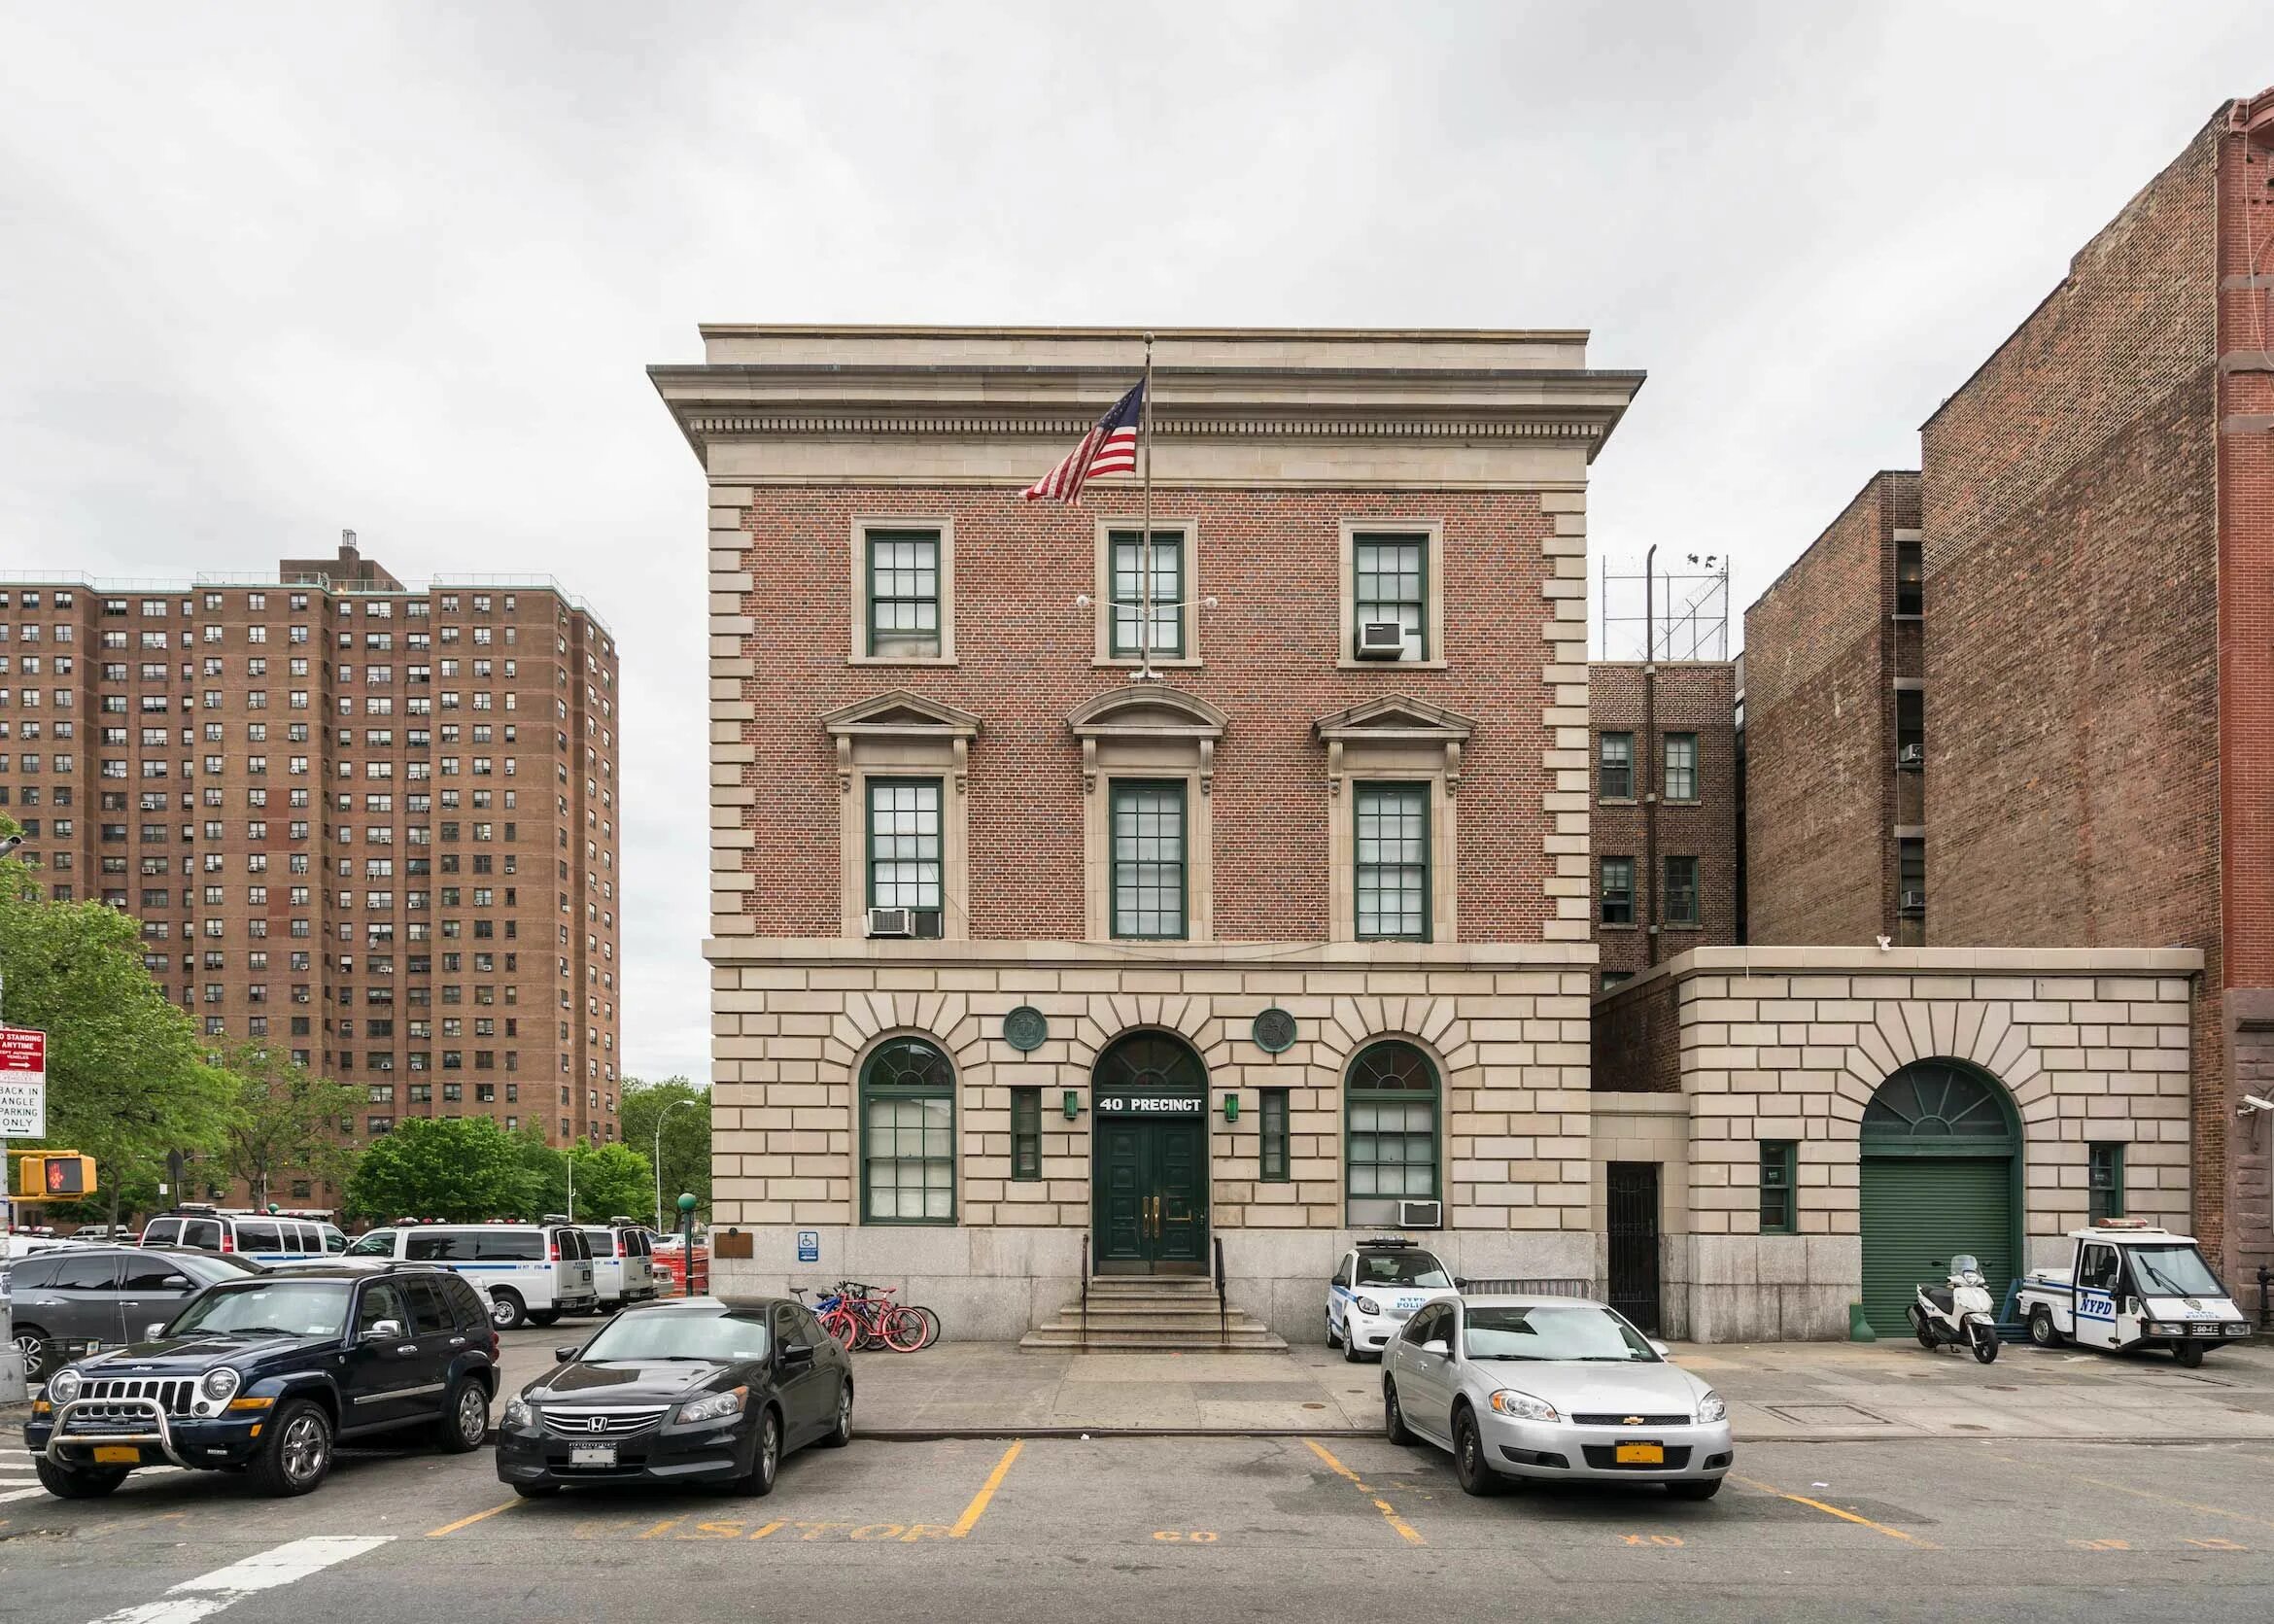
point(861, 1316)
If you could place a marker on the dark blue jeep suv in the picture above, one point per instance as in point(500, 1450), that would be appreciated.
point(265, 1374)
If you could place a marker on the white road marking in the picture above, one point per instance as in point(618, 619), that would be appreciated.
point(209, 1593)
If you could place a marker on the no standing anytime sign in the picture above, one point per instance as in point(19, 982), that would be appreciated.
point(23, 1083)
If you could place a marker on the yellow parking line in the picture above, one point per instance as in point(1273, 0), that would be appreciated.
point(1405, 1530)
point(468, 1522)
point(2173, 1500)
point(978, 1507)
point(1835, 1511)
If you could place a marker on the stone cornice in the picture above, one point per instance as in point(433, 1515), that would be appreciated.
point(822, 950)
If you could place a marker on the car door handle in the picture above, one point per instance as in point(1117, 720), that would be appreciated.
point(457, 1341)
point(407, 1348)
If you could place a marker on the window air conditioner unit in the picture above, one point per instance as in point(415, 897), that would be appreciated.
point(1381, 639)
point(891, 922)
point(1421, 1214)
point(1911, 755)
point(1913, 901)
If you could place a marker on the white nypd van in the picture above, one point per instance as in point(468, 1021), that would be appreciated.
point(1375, 1290)
point(263, 1238)
point(532, 1273)
point(623, 1262)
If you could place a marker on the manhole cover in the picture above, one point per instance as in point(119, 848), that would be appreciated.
point(1314, 1405)
point(1827, 1415)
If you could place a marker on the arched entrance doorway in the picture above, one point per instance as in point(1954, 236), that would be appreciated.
point(1940, 1172)
point(1148, 1139)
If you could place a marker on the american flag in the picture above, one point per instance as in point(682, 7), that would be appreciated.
point(1111, 447)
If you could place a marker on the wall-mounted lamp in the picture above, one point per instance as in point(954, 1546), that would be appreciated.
point(1231, 1108)
point(1072, 1103)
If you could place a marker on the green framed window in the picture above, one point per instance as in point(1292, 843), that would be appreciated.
point(1271, 1105)
point(908, 1134)
point(1616, 978)
point(1681, 891)
point(1681, 767)
point(1393, 853)
point(904, 848)
point(1391, 582)
point(1148, 859)
point(904, 593)
point(1391, 1137)
point(2105, 1179)
point(1616, 901)
point(1125, 572)
point(1614, 778)
point(1780, 1187)
point(1026, 1134)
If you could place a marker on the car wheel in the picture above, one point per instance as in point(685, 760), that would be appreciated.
point(1393, 1416)
point(298, 1450)
point(545, 1316)
point(2040, 1328)
point(464, 1420)
point(506, 1310)
point(78, 1482)
point(32, 1342)
point(766, 1459)
point(1333, 1337)
point(1469, 1461)
point(1704, 1490)
point(1350, 1350)
point(841, 1435)
point(2189, 1354)
point(536, 1491)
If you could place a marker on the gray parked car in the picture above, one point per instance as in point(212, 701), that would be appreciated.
point(1552, 1388)
point(106, 1293)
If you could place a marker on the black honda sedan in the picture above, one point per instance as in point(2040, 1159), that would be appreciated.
point(691, 1391)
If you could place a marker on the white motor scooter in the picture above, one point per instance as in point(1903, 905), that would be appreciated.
point(1958, 1312)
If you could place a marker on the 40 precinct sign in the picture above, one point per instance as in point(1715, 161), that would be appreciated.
point(1150, 1105)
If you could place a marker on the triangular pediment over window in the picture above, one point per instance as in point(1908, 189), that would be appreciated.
point(901, 714)
point(1395, 716)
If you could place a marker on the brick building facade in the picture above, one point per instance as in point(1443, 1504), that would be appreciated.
point(1664, 825)
point(371, 825)
point(1334, 910)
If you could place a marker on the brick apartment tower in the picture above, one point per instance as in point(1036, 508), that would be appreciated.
point(1324, 905)
point(2098, 506)
point(371, 824)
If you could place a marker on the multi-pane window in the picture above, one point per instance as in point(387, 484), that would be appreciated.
point(1392, 1138)
point(903, 593)
point(1616, 978)
point(1909, 728)
point(1617, 899)
point(1911, 875)
point(1615, 772)
point(1128, 592)
point(1026, 1134)
point(1681, 891)
point(1393, 861)
point(903, 848)
point(2105, 1181)
point(1681, 767)
point(1780, 1196)
point(1271, 1117)
point(1910, 577)
point(1148, 866)
point(908, 1134)
point(1391, 584)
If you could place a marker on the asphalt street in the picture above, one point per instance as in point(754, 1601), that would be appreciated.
point(1008, 1529)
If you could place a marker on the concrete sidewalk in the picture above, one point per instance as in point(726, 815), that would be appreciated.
point(1792, 1391)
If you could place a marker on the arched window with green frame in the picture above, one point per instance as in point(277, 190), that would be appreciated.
point(908, 1134)
point(1390, 1130)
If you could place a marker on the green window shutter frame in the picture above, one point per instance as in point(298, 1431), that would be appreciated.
point(908, 1134)
point(2105, 1181)
point(1271, 1110)
point(1391, 823)
point(1026, 1135)
point(1392, 1121)
point(901, 572)
point(1396, 581)
point(1149, 868)
point(1780, 1187)
point(914, 808)
point(1126, 592)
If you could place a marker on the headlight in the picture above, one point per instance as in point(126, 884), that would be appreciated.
point(1524, 1406)
point(519, 1414)
point(1712, 1409)
point(1971, 1278)
point(219, 1385)
point(63, 1386)
point(715, 1408)
point(1367, 1306)
point(2164, 1328)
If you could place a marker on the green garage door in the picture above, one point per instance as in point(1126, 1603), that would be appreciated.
point(1917, 1212)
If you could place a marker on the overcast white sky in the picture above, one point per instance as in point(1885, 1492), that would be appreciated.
point(266, 271)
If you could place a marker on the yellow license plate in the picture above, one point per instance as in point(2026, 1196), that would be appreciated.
point(117, 1455)
point(1641, 1455)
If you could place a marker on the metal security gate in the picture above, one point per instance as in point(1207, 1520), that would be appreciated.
point(1630, 1212)
point(1917, 1213)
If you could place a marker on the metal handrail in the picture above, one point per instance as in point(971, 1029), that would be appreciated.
point(1223, 1310)
point(1084, 1276)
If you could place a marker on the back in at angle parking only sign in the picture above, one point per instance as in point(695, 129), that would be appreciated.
point(23, 1083)
point(1150, 1105)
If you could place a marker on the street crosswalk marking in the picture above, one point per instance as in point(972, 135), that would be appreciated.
point(209, 1593)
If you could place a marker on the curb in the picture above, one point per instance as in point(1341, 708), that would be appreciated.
point(947, 1435)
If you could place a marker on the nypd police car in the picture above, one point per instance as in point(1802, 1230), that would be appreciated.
point(1375, 1290)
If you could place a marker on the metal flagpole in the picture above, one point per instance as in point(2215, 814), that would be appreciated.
point(1145, 672)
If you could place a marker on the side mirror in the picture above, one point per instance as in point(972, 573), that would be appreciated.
point(384, 1331)
point(152, 1331)
point(1438, 1346)
point(796, 1353)
point(561, 1356)
point(1459, 1283)
point(1659, 1348)
point(176, 1283)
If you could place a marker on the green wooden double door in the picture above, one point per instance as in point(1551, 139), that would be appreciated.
point(1152, 1196)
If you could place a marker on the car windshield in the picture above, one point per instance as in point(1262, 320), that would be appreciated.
point(1581, 1332)
point(1402, 1268)
point(379, 1243)
point(210, 1266)
point(675, 1334)
point(274, 1307)
point(2173, 1271)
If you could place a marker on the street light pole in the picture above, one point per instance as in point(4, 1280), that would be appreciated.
point(656, 1161)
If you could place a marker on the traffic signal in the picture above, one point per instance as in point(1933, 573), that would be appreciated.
point(55, 1176)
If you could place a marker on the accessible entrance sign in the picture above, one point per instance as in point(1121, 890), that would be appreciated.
point(23, 1083)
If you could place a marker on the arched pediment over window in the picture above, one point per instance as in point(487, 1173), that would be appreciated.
point(1145, 717)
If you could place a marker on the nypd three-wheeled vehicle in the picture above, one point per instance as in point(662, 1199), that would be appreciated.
point(1376, 1288)
point(2131, 1284)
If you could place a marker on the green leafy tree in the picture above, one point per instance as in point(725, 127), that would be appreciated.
point(611, 1181)
point(685, 1155)
point(127, 1077)
point(465, 1169)
point(287, 1123)
point(545, 1172)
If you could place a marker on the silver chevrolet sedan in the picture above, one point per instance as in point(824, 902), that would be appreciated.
point(1551, 1388)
